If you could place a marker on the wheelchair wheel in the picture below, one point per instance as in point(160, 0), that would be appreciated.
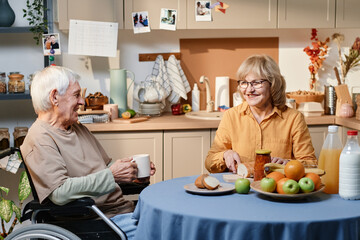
point(42, 231)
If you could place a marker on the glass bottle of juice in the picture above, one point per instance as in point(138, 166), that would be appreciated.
point(349, 173)
point(329, 160)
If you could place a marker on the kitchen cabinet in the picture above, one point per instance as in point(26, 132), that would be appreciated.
point(306, 13)
point(185, 153)
point(212, 135)
point(242, 14)
point(153, 8)
point(347, 14)
point(126, 144)
point(91, 10)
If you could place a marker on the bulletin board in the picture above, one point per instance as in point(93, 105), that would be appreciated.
point(220, 57)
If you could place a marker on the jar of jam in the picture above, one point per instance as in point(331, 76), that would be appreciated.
point(4, 138)
point(262, 157)
point(19, 135)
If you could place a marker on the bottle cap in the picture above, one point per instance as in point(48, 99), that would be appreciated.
point(333, 128)
point(195, 87)
point(352, 133)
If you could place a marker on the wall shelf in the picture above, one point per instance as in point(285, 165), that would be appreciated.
point(15, 30)
point(15, 96)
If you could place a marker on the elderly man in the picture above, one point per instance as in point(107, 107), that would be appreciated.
point(65, 160)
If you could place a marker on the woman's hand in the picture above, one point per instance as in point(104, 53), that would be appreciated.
point(231, 157)
point(279, 160)
point(124, 170)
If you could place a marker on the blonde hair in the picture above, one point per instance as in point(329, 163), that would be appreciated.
point(266, 68)
point(44, 81)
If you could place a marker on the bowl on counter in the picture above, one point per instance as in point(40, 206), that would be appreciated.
point(306, 96)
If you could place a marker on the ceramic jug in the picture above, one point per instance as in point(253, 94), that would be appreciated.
point(149, 91)
point(118, 88)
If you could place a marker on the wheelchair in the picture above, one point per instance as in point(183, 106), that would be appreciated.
point(79, 219)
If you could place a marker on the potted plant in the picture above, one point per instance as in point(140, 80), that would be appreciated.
point(8, 208)
point(35, 14)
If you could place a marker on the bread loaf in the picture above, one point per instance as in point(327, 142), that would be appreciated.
point(211, 182)
point(199, 181)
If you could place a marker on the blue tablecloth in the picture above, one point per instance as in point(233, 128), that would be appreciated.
point(166, 211)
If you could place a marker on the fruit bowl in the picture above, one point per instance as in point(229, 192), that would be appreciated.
point(256, 187)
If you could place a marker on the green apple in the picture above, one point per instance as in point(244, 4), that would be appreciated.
point(242, 185)
point(268, 184)
point(306, 185)
point(291, 187)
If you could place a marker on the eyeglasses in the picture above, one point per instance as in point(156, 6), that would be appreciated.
point(256, 84)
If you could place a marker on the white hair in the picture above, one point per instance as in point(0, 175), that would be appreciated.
point(44, 81)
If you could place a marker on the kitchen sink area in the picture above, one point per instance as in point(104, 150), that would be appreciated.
point(204, 115)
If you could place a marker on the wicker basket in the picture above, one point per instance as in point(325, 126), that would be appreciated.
point(318, 97)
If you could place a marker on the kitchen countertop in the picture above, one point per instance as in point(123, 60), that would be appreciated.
point(179, 122)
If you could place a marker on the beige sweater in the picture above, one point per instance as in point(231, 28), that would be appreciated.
point(56, 158)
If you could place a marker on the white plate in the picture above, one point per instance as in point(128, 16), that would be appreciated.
point(222, 189)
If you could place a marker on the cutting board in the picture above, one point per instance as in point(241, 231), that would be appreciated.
point(91, 111)
point(131, 120)
point(343, 96)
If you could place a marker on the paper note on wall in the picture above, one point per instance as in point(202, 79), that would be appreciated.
point(93, 38)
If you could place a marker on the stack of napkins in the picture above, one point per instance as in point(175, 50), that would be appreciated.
point(311, 109)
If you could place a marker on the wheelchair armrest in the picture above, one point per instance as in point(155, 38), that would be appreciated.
point(76, 207)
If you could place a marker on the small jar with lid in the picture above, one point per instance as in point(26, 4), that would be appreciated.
point(2, 82)
point(19, 135)
point(4, 138)
point(30, 77)
point(16, 83)
point(262, 157)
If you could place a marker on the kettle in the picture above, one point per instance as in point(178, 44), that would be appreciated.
point(149, 91)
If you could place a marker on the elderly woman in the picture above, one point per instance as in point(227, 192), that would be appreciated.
point(65, 160)
point(263, 121)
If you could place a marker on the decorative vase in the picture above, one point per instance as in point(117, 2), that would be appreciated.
point(313, 81)
point(7, 15)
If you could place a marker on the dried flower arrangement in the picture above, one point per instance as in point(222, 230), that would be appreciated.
point(318, 54)
point(352, 59)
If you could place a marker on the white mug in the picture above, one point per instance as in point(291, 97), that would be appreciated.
point(143, 165)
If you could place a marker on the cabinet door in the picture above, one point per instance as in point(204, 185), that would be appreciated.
point(212, 135)
point(153, 8)
point(91, 10)
point(347, 14)
point(306, 13)
point(239, 14)
point(125, 144)
point(185, 153)
point(318, 135)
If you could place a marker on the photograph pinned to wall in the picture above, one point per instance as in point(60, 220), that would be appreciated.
point(51, 44)
point(141, 22)
point(203, 11)
point(168, 19)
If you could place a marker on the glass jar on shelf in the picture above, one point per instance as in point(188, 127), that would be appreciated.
point(19, 135)
point(4, 138)
point(2, 82)
point(16, 83)
point(30, 78)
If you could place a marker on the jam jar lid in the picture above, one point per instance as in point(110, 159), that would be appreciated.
point(262, 151)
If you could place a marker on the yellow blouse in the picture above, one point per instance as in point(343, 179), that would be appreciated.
point(285, 133)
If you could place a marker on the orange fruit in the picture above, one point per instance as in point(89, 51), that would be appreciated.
point(279, 185)
point(316, 179)
point(126, 115)
point(276, 176)
point(294, 170)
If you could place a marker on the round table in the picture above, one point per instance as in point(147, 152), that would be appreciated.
point(166, 211)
